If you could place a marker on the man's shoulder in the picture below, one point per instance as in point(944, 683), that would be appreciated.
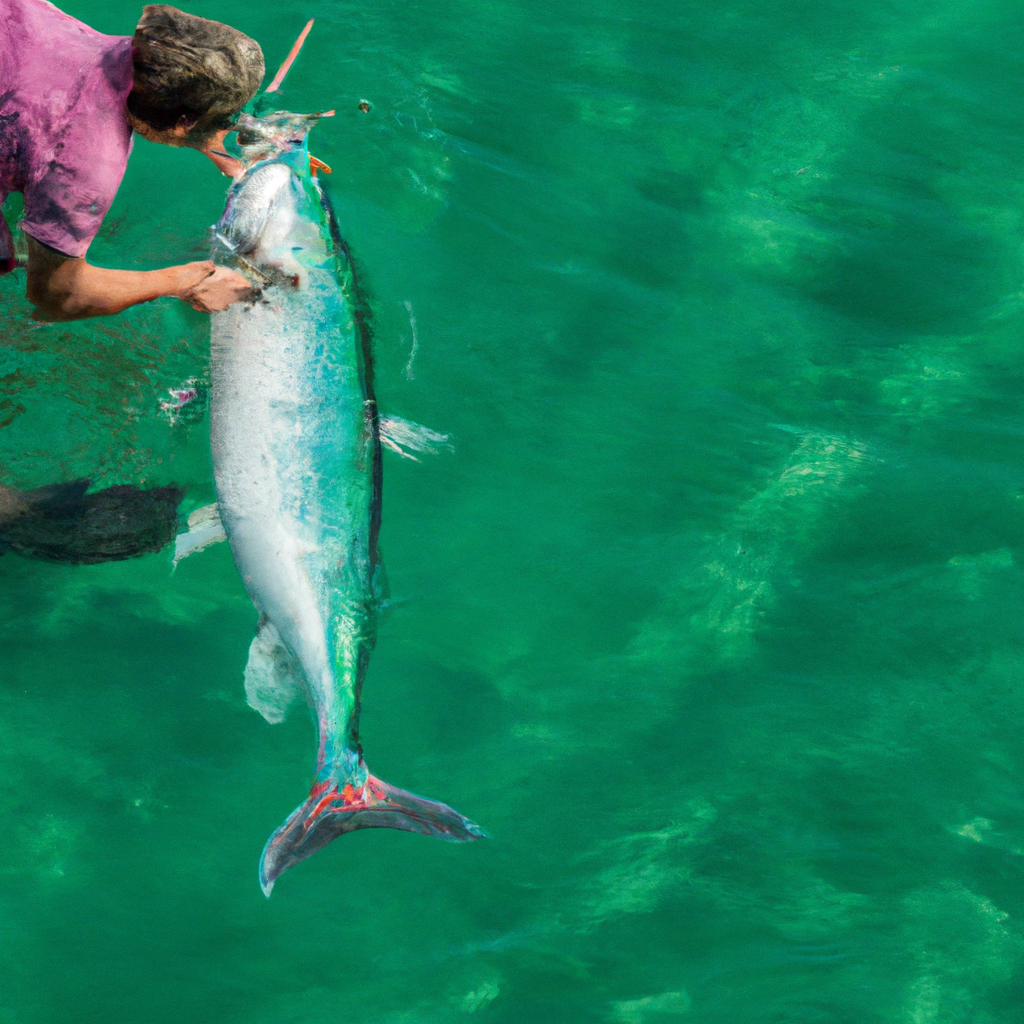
point(22, 16)
point(47, 50)
point(73, 135)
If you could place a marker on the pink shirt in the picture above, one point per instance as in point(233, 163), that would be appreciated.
point(64, 140)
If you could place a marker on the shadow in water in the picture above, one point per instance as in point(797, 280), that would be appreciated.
point(64, 523)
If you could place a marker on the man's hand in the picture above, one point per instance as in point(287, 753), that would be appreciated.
point(217, 289)
point(67, 288)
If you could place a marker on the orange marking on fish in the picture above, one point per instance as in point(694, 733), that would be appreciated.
point(318, 810)
point(320, 787)
point(318, 165)
point(327, 791)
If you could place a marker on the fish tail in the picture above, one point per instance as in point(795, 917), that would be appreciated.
point(332, 809)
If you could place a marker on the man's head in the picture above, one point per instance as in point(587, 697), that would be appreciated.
point(191, 75)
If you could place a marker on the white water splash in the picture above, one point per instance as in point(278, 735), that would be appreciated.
point(398, 435)
point(415, 338)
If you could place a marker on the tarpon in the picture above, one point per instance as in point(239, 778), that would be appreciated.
point(295, 435)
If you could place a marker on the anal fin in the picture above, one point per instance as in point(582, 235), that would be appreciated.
point(272, 678)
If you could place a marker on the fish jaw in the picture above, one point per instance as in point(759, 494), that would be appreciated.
point(332, 810)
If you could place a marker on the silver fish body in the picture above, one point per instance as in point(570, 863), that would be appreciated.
point(297, 466)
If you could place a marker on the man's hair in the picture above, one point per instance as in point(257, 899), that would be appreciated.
point(189, 67)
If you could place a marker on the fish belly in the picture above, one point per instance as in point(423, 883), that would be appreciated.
point(287, 432)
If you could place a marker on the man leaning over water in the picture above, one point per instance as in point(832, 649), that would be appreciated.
point(70, 99)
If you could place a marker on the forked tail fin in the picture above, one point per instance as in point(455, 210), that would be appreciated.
point(330, 812)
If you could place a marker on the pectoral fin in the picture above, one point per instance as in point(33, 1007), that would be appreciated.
point(272, 678)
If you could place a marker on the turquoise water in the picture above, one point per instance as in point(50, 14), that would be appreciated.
point(714, 617)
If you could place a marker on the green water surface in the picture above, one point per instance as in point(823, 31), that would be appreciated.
point(713, 618)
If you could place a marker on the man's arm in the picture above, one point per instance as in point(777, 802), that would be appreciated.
point(67, 288)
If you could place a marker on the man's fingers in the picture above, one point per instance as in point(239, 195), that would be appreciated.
point(218, 290)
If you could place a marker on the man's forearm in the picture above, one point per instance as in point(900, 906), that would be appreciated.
point(67, 288)
point(75, 290)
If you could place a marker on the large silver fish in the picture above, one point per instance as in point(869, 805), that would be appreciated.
point(297, 462)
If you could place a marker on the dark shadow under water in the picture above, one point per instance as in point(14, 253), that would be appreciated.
point(63, 523)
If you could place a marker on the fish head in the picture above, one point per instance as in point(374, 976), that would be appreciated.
point(263, 229)
point(270, 229)
point(273, 135)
